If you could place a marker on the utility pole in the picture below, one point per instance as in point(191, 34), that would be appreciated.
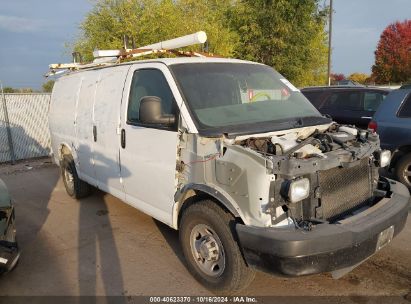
point(330, 30)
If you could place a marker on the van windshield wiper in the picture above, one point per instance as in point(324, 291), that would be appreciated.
point(298, 123)
point(264, 127)
point(310, 120)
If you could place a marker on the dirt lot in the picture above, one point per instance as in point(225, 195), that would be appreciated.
point(102, 246)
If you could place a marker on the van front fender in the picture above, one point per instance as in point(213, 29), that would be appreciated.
point(217, 194)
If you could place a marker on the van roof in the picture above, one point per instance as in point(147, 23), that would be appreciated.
point(167, 61)
point(179, 60)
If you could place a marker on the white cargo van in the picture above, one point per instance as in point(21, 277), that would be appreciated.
point(233, 156)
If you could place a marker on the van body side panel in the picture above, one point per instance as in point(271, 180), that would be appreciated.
point(62, 114)
point(148, 161)
point(107, 123)
point(84, 127)
point(53, 121)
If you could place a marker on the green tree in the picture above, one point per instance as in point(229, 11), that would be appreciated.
point(18, 90)
point(150, 21)
point(286, 34)
point(48, 86)
point(9, 90)
point(359, 77)
point(24, 90)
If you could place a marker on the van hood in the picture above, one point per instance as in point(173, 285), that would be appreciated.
point(301, 133)
point(282, 126)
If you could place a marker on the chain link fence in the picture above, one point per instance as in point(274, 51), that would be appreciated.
point(24, 130)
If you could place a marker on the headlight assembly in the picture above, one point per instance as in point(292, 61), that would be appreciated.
point(385, 158)
point(298, 190)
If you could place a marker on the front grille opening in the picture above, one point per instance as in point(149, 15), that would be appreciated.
point(344, 189)
point(351, 212)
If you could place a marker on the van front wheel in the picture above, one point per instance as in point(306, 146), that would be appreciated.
point(75, 187)
point(212, 254)
point(403, 170)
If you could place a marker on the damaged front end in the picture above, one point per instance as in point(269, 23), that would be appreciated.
point(330, 209)
point(332, 173)
point(308, 200)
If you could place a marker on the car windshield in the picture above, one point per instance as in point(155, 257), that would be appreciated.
point(227, 96)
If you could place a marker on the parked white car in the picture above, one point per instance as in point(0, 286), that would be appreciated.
point(233, 156)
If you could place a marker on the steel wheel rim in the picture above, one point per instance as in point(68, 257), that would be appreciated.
point(407, 173)
point(207, 250)
point(68, 177)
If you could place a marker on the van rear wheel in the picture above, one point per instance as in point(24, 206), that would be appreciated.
point(213, 256)
point(75, 187)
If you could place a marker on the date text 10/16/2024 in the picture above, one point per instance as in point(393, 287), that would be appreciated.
point(203, 299)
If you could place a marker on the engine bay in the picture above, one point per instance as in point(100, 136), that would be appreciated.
point(315, 144)
point(340, 163)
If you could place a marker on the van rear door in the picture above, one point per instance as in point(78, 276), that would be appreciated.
point(106, 129)
point(84, 127)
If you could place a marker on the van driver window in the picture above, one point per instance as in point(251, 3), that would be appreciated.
point(149, 82)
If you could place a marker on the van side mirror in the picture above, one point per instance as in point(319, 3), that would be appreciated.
point(151, 113)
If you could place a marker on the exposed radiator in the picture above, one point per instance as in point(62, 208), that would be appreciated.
point(343, 189)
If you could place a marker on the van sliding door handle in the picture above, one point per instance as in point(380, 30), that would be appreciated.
point(123, 138)
point(95, 133)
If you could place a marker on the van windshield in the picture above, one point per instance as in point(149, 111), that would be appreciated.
point(240, 97)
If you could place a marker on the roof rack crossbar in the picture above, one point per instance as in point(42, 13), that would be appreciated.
point(110, 57)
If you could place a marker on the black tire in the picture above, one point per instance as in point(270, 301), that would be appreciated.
point(402, 169)
point(14, 266)
point(76, 187)
point(235, 275)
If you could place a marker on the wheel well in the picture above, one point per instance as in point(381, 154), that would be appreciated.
point(399, 153)
point(195, 196)
point(64, 150)
point(405, 149)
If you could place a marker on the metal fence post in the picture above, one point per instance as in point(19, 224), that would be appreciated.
point(6, 117)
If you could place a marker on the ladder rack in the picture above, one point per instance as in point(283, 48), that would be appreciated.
point(112, 57)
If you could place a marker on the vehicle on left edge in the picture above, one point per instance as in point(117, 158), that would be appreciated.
point(9, 251)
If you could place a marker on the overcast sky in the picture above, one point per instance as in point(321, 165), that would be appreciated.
point(357, 27)
point(33, 34)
